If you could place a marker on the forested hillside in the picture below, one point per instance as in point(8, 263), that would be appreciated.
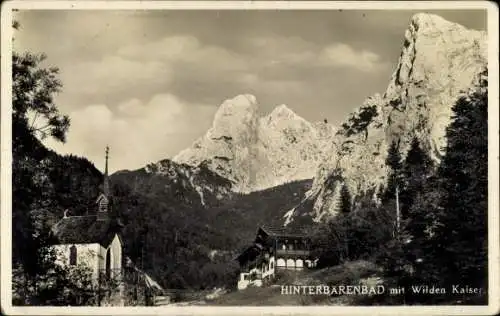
point(187, 245)
point(430, 226)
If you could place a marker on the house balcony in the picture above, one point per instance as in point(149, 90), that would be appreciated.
point(292, 252)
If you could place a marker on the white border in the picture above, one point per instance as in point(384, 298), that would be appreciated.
point(493, 154)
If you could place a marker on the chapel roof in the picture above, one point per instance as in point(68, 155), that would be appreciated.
point(85, 230)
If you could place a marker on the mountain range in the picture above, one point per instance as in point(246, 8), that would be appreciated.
point(439, 61)
point(258, 152)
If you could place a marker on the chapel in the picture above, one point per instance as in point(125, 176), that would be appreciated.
point(94, 241)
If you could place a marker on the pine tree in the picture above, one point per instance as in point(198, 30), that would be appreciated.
point(420, 226)
point(345, 220)
point(393, 161)
point(460, 239)
point(393, 255)
point(416, 168)
point(345, 200)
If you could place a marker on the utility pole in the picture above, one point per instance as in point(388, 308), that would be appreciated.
point(143, 253)
point(398, 236)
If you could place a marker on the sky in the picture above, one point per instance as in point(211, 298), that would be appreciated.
point(148, 83)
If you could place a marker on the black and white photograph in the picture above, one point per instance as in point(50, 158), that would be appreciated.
point(227, 157)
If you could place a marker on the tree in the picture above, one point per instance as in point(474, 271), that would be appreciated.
point(345, 220)
point(445, 224)
point(371, 228)
point(345, 200)
point(33, 89)
point(392, 254)
point(329, 243)
point(416, 169)
point(394, 162)
point(420, 227)
point(460, 236)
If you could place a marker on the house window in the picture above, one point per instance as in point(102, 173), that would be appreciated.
point(272, 264)
point(72, 256)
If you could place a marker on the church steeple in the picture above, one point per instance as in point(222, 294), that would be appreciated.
point(106, 178)
point(104, 198)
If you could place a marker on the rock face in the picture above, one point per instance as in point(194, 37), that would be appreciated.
point(257, 152)
point(208, 185)
point(439, 61)
point(186, 184)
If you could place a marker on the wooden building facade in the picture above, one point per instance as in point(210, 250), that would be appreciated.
point(274, 249)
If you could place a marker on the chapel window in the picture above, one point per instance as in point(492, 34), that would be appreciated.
point(72, 256)
point(108, 263)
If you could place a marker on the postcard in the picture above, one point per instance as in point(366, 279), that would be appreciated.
point(250, 157)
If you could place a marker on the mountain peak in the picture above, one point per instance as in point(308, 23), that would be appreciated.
point(235, 116)
point(435, 26)
point(430, 20)
point(240, 101)
point(240, 107)
point(257, 152)
point(439, 60)
point(282, 111)
point(454, 50)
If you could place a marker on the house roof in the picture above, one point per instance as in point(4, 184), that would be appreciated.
point(85, 230)
point(285, 231)
point(250, 251)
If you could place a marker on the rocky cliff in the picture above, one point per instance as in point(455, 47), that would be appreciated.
point(166, 179)
point(257, 152)
point(439, 61)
